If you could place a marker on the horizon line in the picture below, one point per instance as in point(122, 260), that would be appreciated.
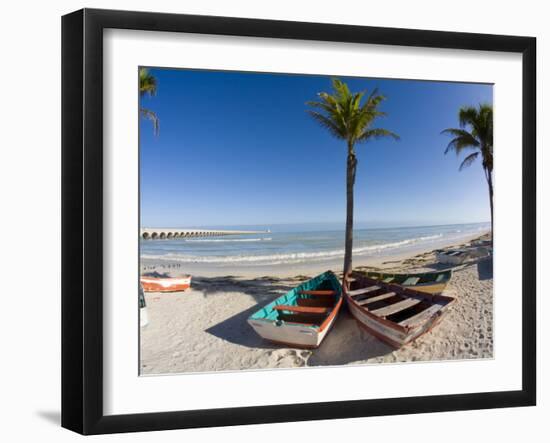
point(314, 223)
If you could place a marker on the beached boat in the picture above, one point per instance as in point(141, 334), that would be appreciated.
point(481, 251)
point(482, 242)
point(431, 282)
point(459, 256)
point(392, 313)
point(303, 316)
point(143, 316)
point(452, 257)
point(161, 284)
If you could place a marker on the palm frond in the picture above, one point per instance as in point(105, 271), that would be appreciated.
point(377, 133)
point(476, 132)
point(327, 123)
point(147, 83)
point(356, 103)
point(373, 94)
point(321, 105)
point(340, 87)
point(150, 115)
point(468, 160)
point(348, 115)
point(467, 115)
point(462, 140)
point(374, 100)
point(485, 126)
point(480, 121)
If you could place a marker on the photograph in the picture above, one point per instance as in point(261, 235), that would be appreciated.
point(292, 220)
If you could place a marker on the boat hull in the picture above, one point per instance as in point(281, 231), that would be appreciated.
point(154, 284)
point(143, 317)
point(395, 337)
point(448, 259)
point(430, 288)
point(289, 334)
point(436, 286)
point(272, 324)
point(397, 333)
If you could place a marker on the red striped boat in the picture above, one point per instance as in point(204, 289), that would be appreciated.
point(169, 284)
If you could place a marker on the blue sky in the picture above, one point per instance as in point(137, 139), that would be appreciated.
point(239, 149)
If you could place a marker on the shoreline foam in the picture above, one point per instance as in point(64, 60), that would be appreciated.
point(252, 267)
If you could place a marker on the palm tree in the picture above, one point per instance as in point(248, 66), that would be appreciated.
point(344, 115)
point(475, 133)
point(148, 86)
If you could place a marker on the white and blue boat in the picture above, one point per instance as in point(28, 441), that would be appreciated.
point(303, 316)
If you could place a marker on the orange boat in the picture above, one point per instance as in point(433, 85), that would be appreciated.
point(160, 284)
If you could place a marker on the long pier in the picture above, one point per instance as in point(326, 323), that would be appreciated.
point(164, 233)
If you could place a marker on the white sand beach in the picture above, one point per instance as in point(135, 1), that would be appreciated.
point(205, 327)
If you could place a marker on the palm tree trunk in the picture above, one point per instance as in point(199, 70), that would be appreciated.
point(490, 183)
point(350, 182)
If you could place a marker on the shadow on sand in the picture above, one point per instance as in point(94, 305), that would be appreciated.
point(263, 290)
point(346, 342)
point(484, 267)
point(237, 330)
point(156, 274)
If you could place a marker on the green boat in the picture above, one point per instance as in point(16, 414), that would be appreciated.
point(430, 282)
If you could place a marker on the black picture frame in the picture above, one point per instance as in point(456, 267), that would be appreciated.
point(82, 218)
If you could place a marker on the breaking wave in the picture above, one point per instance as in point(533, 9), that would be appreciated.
point(284, 258)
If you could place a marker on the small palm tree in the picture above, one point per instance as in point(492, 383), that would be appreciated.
point(148, 86)
point(344, 115)
point(475, 133)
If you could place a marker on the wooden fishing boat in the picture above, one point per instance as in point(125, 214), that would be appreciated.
point(392, 313)
point(480, 251)
point(303, 316)
point(161, 284)
point(431, 282)
point(480, 242)
point(452, 257)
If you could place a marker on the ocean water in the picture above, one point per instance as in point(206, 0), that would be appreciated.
point(301, 244)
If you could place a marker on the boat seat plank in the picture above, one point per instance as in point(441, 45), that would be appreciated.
point(302, 309)
point(320, 292)
point(421, 316)
point(388, 279)
point(396, 307)
point(316, 302)
point(362, 291)
point(377, 298)
point(411, 281)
